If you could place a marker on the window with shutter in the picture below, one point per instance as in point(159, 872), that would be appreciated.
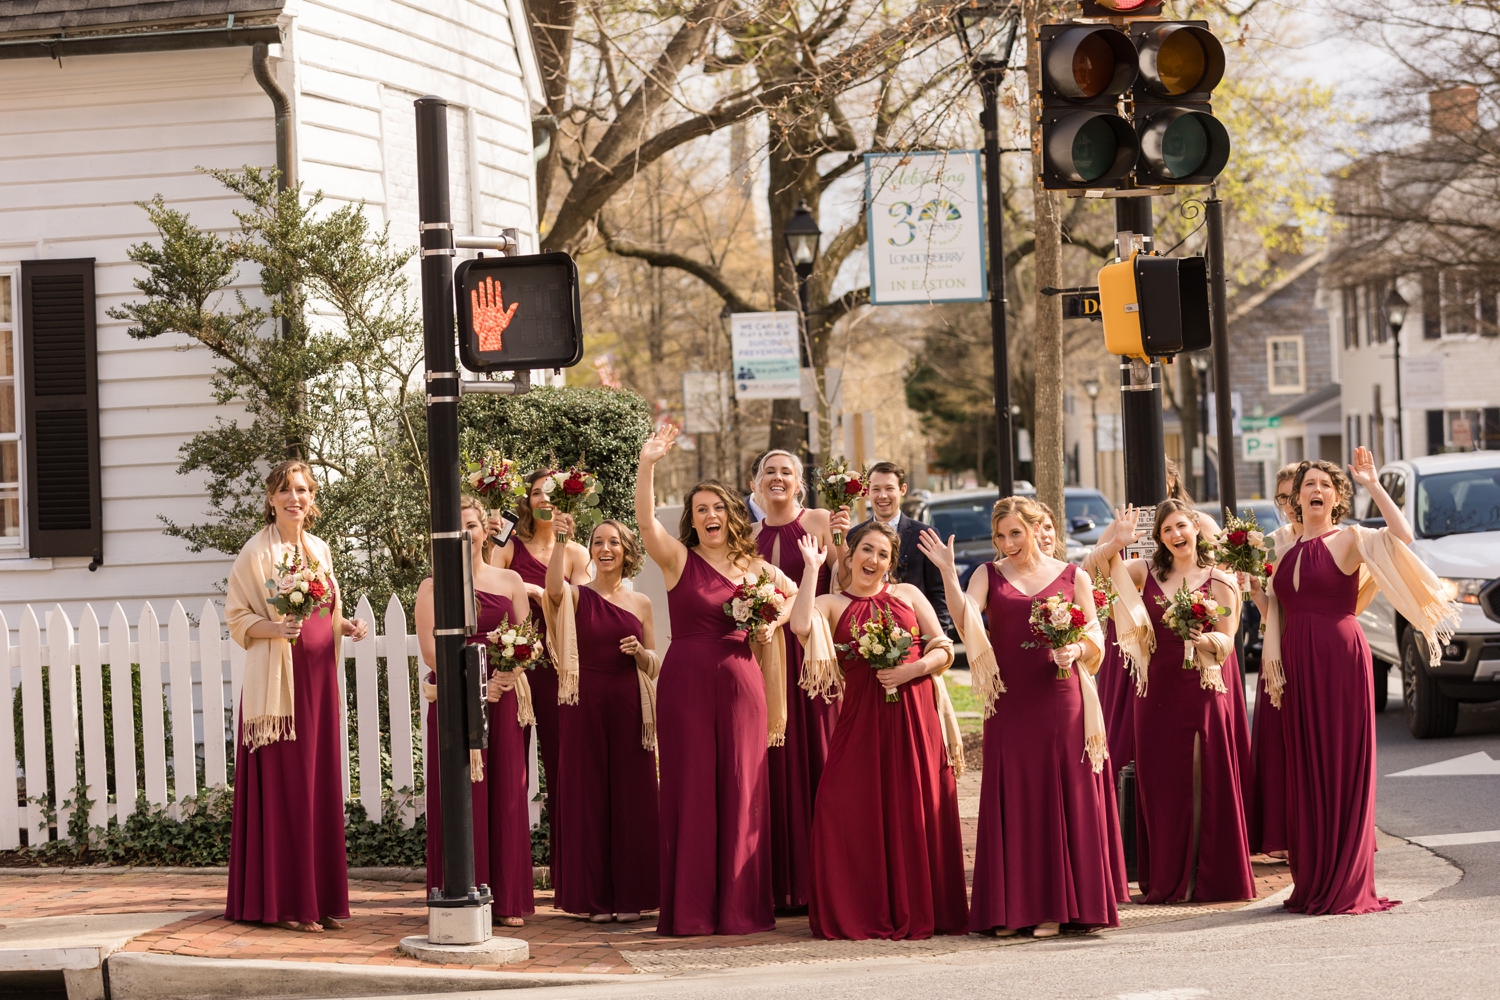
point(61, 436)
point(11, 419)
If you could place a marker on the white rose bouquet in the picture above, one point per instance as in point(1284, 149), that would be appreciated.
point(299, 589)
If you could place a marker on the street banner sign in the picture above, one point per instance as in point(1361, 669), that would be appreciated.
point(767, 363)
point(705, 402)
point(1260, 446)
point(518, 313)
point(925, 213)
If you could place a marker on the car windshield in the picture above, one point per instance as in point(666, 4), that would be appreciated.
point(1453, 503)
point(964, 520)
point(1091, 506)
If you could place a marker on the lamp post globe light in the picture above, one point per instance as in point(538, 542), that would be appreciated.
point(802, 236)
point(987, 30)
point(1395, 316)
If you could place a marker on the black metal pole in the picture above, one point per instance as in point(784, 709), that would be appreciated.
point(1218, 297)
point(1400, 426)
point(804, 272)
point(1005, 472)
point(439, 341)
point(1140, 392)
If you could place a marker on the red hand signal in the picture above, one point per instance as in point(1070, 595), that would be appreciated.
point(490, 317)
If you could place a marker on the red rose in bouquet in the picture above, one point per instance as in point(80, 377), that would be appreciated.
point(1199, 611)
point(1238, 537)
point(1079, 621)
point(316, 589)
point(575, 485)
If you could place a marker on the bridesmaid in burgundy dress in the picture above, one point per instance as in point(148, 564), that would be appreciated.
point(1328, 706)
point(796, 765)
point(1190, 821)
point(609, 799)
point(1048, 851)
point(1116, 686)
point(887, 848)
point(287, 861)
point(711, 714)
point(528, 552)
point(502, 822)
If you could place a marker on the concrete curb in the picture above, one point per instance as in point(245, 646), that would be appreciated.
point(135, 975)
point(541, 874)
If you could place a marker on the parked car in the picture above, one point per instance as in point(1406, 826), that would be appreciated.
point(1266, 514)
point(965, 514)
point(1453, 504)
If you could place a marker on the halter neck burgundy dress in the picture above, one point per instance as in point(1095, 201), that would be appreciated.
point(609, 802)
point(1049, 837)
point(1328, 722)
point(711, 739)
point(1176, 720)
point(287, 859)
point(544, 704)
point(502, 821)
point(797, 766)
point(887, 848)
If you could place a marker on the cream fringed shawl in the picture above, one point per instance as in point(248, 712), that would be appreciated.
point(987, 685)
point(266, 692)
point(1406, 581)
point(822, 677)
point(1137, 638)
point(771, 658)
point(562, 635)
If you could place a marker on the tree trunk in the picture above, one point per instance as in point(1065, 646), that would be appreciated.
point(1047, 425)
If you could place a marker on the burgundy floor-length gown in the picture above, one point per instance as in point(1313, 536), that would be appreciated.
point(544, 703)
point(1266, 816)
point(1175, 713)
point(1328, 721)
point(1049, 836)
point(502, 823)
point(887, 848)
point(797, 766)
point(715, 795)
point(287, 859)
point(609, 801)
point(1239, 727)
point(1117, 697)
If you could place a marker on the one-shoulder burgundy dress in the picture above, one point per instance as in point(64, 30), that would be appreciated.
point(887, 847)
point(711, 739)
point(544, 703)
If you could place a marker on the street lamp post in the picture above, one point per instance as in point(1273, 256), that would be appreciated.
point(987, 29)
point(1395, 315)
point(1091, 387)
point(1201, 364)
point(802, 235)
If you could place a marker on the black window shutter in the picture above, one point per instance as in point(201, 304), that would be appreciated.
point(63, 508)
point(1432, 307)
point(1434, 432)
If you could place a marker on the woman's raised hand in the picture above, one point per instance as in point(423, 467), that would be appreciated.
point(813, 552)
point(1362, 469)
point(658, 444)
point(944, 557)
point(563, 523)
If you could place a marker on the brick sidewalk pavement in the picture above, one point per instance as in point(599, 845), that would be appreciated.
point(384, 912)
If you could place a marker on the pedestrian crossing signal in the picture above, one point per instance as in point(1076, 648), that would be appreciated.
point(518, 313)
point(1154, 306)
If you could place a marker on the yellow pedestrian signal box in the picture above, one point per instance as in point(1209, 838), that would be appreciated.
point(1153, 306)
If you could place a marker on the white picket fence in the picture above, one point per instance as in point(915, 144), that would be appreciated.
point(196, 668)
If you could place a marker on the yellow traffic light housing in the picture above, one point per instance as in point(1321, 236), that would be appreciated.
point(1153, 306)
point(1120, 308)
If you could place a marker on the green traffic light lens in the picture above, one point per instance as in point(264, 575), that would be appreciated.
point(1093, 65)
point(1181, 63)
point(1184, 146)
point(1094, 149)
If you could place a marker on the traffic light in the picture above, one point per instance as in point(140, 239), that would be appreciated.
point(516, 313)
point(1154, 306)
point(1085, 70)
point(1181, 142)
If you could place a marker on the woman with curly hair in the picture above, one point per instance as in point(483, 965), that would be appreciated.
point(1190, 822)
point(604, 649)
point(716, 711)
point(1317, 671)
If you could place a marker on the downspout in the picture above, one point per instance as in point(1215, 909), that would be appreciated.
point(260, 60)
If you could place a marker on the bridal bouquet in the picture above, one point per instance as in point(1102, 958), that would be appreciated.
point(574, 492)
point(1057, 621)
point(839, 486)
point(882, 643)
point(514, 647)
point(759, 601)
point(1105, 595)
point(1187, 610)
point(299, 588)
point(1244, 548)
point(498, 481)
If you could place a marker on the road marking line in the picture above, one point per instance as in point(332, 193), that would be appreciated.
point(1478, 762)
point(1454, 839)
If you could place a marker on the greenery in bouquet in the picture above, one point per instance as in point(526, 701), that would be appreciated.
point(882, 643)
point(1189, 610)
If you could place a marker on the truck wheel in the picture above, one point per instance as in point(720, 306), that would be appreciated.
point(1381, 671)
point(1430, 714)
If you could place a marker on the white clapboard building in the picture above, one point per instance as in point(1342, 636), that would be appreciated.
point(105, 103)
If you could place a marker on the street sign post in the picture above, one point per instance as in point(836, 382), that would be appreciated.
point(1260, 446)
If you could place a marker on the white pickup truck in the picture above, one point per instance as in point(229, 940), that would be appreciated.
point(1453, 504)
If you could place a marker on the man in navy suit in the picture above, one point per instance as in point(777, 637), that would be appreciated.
point(887, 487)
